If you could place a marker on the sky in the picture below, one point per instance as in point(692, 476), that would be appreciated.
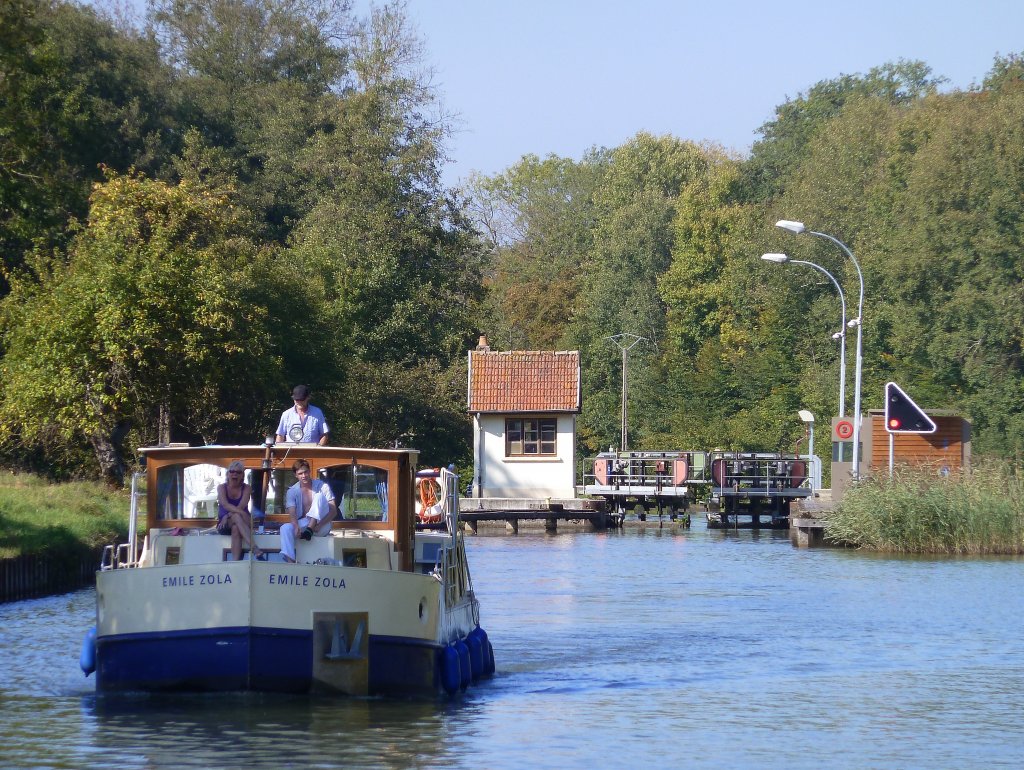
point(562, 76)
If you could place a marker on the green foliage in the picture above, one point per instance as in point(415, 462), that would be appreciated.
point(150, 313)
point(778, 156)
point(254, 77)
point(300, 233)
point(921, 511)
point(75, 95)
point(539, 216)
point(77, 517)
point(633, 240)
point(924, 187)
point(273, 213)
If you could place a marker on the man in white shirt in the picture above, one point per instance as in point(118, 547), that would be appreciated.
point(303, 423)
point(310, 504)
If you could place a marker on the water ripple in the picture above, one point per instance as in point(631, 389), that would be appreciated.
point(658, 647)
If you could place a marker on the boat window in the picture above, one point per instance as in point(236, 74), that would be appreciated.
point(277, 489)
point(188, 491)
point(361, 491)
point(353, 557)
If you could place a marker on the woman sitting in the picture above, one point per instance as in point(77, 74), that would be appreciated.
point(233, 512)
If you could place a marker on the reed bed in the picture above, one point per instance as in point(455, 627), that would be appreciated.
point(919, 510)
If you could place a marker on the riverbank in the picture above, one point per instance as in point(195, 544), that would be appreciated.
point(50, 534)
point(918, 510)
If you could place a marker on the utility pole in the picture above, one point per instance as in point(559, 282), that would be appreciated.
point(625, 342)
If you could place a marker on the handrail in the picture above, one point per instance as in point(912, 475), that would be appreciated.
point(760, 470)
point(648, 469)
point(133, 518)
point(450, 485)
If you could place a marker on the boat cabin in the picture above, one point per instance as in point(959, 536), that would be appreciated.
point(373, 489)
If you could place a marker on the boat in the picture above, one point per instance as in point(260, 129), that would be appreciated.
point(374, 608)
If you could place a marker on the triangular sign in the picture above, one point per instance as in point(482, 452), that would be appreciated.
point(902, 415)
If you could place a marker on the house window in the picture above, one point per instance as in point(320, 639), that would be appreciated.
point(531, 437)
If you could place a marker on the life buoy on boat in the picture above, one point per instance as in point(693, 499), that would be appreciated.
point(428, 507)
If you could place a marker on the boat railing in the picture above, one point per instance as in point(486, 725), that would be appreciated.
point(450, 484)
point(451, 567)
point(125, 555)
point(133, 521)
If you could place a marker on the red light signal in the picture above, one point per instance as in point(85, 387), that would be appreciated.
point(902, 415)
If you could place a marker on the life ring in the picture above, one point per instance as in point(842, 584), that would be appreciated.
point(428, 510)
point(844, 429)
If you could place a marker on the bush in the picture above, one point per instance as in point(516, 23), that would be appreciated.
point(919, 510)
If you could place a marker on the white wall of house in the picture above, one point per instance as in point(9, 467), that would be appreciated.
point(495, 475)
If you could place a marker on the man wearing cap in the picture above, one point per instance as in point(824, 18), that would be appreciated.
point(303, 423)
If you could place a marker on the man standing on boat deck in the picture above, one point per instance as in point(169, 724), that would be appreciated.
point(310, 504)
point(303, 423)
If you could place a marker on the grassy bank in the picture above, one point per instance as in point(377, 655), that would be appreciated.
point(920, 511)
point(38, 517)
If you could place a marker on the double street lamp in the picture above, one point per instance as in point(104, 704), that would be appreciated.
point(781, 259)
point(798, 228)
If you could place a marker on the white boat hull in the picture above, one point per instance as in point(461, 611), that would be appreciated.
point(273, 626)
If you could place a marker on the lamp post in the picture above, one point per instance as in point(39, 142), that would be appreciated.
point(798, 228)
point(625, 342)
point(808, 420)
point(781, 259)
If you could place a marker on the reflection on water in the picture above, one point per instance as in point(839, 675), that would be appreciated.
point(653, 647)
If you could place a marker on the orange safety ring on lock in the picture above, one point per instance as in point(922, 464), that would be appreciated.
point(844, 429)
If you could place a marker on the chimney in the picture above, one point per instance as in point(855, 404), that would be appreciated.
point(482, 346)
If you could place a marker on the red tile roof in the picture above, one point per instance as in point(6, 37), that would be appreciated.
point(524, 381)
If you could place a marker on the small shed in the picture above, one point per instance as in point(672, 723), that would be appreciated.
point(948, 449)
point(524, 405)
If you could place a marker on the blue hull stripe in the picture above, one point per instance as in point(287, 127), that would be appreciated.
point(244, 658)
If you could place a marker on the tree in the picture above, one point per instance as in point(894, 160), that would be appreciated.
point(391, 259)
point(253, 76)
point(632, 247)
point(75, 94)
point(781, 151)
point(540, 217)
point(149, 326)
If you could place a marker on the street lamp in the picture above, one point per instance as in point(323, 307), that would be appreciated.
point(808, 419)
point(625, 342)
point(781, 259)
point(798, 228)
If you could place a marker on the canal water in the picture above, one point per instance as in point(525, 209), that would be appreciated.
point(654, 647)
